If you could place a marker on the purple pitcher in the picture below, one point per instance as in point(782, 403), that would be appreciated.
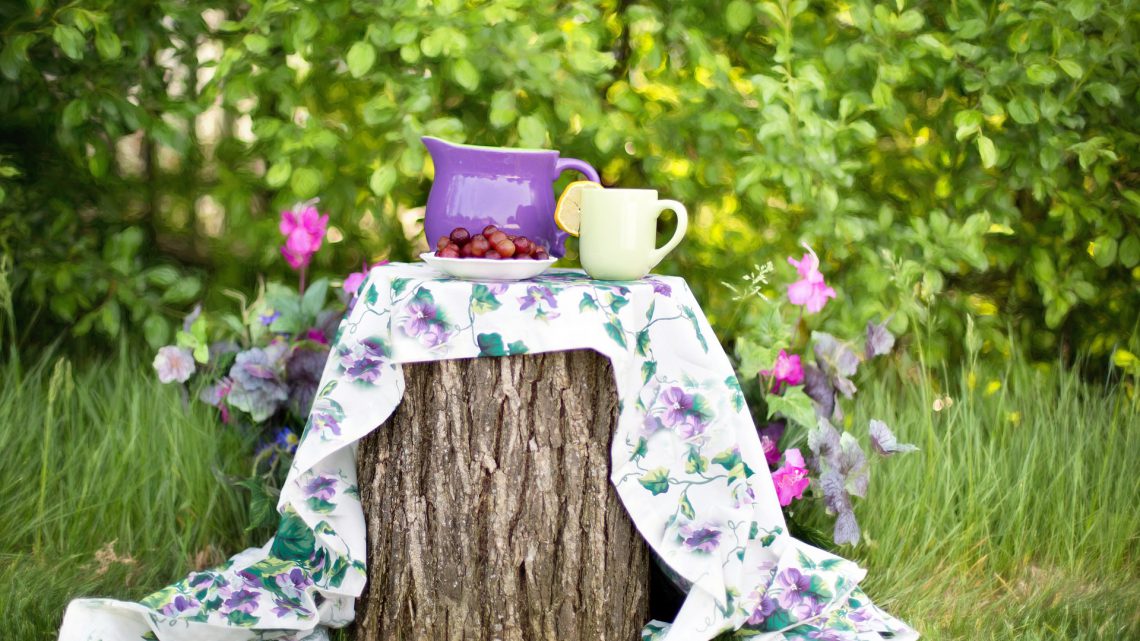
point(511, 189)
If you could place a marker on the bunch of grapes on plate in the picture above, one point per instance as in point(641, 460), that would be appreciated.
point(493, 243)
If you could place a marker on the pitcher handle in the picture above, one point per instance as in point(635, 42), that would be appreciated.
point(682, 214)
point(564, 164)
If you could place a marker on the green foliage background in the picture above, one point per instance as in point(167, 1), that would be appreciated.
point(944, 159)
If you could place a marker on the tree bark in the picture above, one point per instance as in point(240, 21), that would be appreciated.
point(490, 511)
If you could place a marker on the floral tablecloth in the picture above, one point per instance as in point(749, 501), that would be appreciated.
point(686, 462)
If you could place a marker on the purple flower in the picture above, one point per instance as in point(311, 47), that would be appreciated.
point(325, 422)
point(770, 439)
point(303, 371)
point(267, 319)
point(181, 605)
point(794, 587)
point(285, 439)
point(257, 385)
point(294, 581)
point(763, 610)
point(677, 404)
point(497, 288)
point(421, 315)
point(285, 607)
point(435, 336)
point(242, 601)
point(703, 539)
point(364, 359)
point(321, 487)
point(808, 608)
point(661, 288)
point(536, 294)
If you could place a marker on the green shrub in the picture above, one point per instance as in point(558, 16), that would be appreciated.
point(943, 159)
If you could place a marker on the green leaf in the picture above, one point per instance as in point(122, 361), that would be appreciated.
point(738, 15)
point(643, 342)
point(482, 300)
point(182, 291)
point(1129, 251)
point(361, 56)
point(15, 54)
point(728, 459)
point(987, 151)
point(656, 481)
point(69, 40)
point(398, 286)
point(695, 463)
point(1041, 75)
point(503, 109)
point(107, 44)
point(648, 370)
point(1082, 9)
point(819, 588)
point(75, 113)
point(532, 132)
point(910, 20)
point(640, 450)
point(490, 345)
point(156, 330)
point(692, 316)
point(278, 174)
point(1023, 110)
point(755, 357)
point(1072, 68)
point(516, 348)
point(1104, 93)
point(465, 74)
point(687, 507)
point(110, 318)
point(256, 43)
point(587, 302)
point(616, 332)
point(294, 540)
point(794, 405)
point(305, 183)
point(382, 180)
point(314, 299)
point(1104, 251)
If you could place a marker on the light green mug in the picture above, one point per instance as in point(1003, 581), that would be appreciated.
point(618, 232)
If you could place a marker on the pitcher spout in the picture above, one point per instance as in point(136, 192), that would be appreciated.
point(437, 147)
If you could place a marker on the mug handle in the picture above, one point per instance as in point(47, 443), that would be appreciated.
point(658, 254)
point(566, 164)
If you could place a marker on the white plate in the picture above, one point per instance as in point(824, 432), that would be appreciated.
point(487, 269)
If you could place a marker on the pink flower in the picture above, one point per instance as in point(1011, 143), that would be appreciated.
point(787, 370)
point(316, 335)
point(174, 364)
point(810, 290)
point(353, 281)
point(791, 480)
point(304, 231)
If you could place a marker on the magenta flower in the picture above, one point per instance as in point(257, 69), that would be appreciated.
point(769, 441)
point(315, 335)
point(787, 369)
point(810, 290)
point(304, 231)
point(791, 480)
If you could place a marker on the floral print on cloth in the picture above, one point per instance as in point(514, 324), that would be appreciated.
point(685, 460)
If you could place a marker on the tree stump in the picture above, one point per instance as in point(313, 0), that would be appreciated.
point(490, 511)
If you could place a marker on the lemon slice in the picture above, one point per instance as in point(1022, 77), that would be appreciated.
point(568, 213)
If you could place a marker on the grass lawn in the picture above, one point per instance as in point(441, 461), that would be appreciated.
point(1018, 519)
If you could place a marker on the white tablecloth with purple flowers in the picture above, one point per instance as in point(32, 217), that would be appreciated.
point(686, 462)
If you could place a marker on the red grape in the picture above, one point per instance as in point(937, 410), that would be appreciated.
point(522, 245)
point(489, 229)
point(460, 235)
point(497, 237)
point(505, 248)
point(479, 246)
point(540, 254)
point(465, 251)
point(442, 244)
point(492, 255)
point(448, 253)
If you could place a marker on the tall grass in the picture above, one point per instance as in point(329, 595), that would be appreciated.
point(1018, 518)
point(111, 487)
